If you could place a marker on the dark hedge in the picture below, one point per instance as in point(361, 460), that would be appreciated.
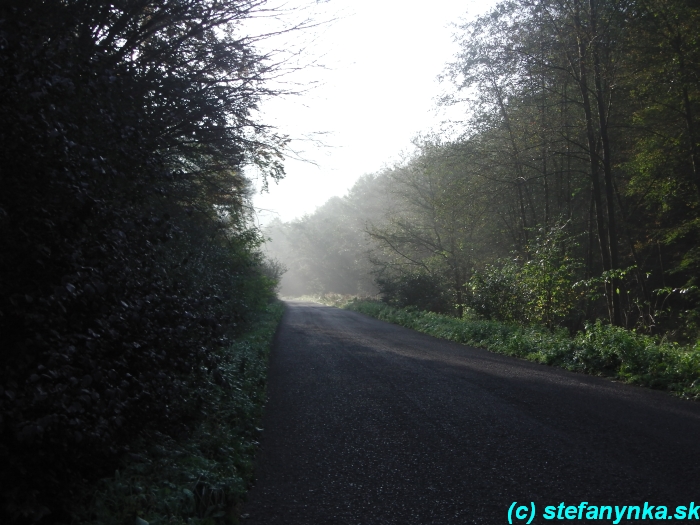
point(126, 253)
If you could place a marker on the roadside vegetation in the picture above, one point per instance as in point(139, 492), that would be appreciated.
point(136, 305)
point(598, 349)
point(201, 476)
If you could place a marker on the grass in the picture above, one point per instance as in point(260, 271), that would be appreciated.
point(200, 478)
point(598, 350)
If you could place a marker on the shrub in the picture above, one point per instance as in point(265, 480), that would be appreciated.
point(421, 290)
point(536, 289)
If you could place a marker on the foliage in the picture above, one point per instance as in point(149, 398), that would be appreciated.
point(599, 349)
point(434, 230)
point(127, 256)
point(201, 477)
point(538, 290)
point(420, 290)
point(495, 292)
point(663, 169)
point(549, 274)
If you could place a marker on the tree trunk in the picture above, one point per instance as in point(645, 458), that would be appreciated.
point(689, 122)
point(593, 156)
point(516, 160)
point(616, 317)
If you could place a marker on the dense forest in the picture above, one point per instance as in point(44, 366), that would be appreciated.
point(571, 192)
point(128, 256)
point(131, 269)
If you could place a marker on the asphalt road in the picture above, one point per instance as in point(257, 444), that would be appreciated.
point(372, 423)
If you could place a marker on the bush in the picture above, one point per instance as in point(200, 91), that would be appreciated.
point(423, 291)
point(538, 289)
point(203, 476)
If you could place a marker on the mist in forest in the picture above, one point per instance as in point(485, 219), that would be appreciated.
point(330, 250)
point(569, 193)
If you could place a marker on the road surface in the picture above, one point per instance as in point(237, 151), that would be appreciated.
point(372, 423)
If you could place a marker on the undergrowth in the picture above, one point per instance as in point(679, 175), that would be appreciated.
point(598, 350)
point(201, 476)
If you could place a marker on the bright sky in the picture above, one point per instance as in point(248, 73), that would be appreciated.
point(376, 92)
